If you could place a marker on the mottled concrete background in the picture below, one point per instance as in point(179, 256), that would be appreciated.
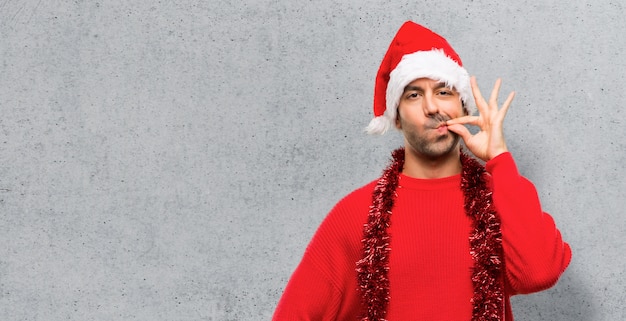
point(170, 160)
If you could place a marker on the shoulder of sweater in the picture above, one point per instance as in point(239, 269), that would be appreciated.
point(343, 224)
point(363, 192)
point(358, 199)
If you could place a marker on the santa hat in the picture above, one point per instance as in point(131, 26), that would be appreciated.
point(415, 52)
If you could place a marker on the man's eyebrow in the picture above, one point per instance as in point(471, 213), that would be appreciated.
point(413, 88)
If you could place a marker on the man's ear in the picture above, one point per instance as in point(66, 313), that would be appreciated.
point(398, 123)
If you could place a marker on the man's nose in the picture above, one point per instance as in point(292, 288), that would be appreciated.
point(430, 106)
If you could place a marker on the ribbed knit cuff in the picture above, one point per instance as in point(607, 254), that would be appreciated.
point(503, 170)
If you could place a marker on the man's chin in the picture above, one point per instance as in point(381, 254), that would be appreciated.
point(437, 151)
point(448, 146)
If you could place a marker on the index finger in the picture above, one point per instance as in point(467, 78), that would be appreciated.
point(472, 120)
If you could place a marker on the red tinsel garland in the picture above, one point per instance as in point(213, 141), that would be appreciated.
point(485, 243)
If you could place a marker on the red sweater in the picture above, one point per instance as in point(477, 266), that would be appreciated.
point(430, 264)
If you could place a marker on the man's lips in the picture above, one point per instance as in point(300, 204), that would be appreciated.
point(439, 122)
point(443, 128)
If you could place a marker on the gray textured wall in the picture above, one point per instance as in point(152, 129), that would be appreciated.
point(170, 160)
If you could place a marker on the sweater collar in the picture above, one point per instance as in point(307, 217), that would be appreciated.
point(449, 182)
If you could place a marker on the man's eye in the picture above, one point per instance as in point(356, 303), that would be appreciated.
point(445, 92)
point(412, 95)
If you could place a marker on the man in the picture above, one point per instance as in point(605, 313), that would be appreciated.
point(438, 236)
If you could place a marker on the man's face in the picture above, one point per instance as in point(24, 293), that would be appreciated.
point(424, 108)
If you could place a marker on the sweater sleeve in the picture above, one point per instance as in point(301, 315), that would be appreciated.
point(309, 296)
point(534, 251)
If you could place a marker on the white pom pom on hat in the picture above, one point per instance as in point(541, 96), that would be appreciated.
point(415, 52)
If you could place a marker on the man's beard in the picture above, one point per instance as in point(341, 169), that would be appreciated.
point(429, 147)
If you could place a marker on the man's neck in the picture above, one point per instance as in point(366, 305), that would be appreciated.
point(419, 166)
